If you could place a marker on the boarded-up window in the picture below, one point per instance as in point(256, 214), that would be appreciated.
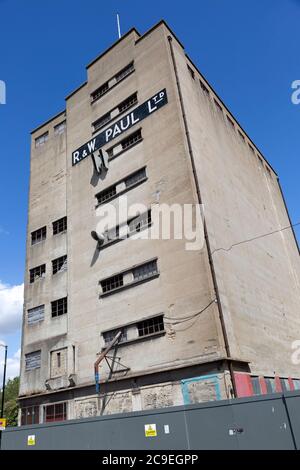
point(33, 360)
point(58, 362)
point(36, 314)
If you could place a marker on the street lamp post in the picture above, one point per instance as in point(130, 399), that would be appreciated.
point(4, 377)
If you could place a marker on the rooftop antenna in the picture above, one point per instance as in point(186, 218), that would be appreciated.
point(118, 22)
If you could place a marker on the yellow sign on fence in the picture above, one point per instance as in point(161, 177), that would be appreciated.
point(31, 440)
point(2, 424)
point(150, 430)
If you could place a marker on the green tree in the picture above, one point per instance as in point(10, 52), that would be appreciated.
point(11, 406)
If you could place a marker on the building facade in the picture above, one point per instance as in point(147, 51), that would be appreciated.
point(196, 325)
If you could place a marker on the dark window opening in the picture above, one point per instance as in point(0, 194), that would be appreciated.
point(37, 273)
point(135, 177)
point(30, 415)
point(141, 221)
point(102, 121)
point(145, 271)
point(230, 121)
point(109, 335)
point(100, 91)
point(132, 100)
point(59, 307)
point(59, 225)
point(151, 326)
point(204, 88)
point(106, 194)
point(59, 264)
point(131, 140)
point(219, 107)
point(38, 235)
point(57, 412)
point(125, 71)
point(112, 283)
point(191, 72)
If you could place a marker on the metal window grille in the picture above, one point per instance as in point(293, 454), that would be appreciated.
point(56, 412)
point(36, 314)
point(204, 88)
point(131, 140)
point(59, 225)
point(59, 307)
point(102, 121)
point(145, 270)
point(106, 194)
point(59, 264)
point(135, 177)
point(140, 222)
point(37, 273)
point(124, 72)
point(33, 360)
point(100, 91)
point(38, 235)
point(60, 128)
point(130, 101)
point(109, 335)
point(42, 139)
point(30, 415)
point(150, 326)
point(112, 283)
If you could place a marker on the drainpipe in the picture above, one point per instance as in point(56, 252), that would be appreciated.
point(210, 258)
point(100, 359)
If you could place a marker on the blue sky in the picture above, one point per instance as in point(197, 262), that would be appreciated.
point(248, 50)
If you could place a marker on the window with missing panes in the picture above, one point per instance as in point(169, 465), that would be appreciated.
point(204, 88)
point(112, 283)
point(126, 104)
point(42, 139)
point(150, 326)
point(60, 128)
point(135, 177)
point(145, 270)
point(35, 315)
point(100, 91)
point(59, 264)
point(102, 121)
point(38, 235)
point(59, 225)
point(109, 335)
point(141, 221)
point(59, 307)
point(106, 194)
point(125, 71)
point(33, 360)
point(131, 140)
point(37, 273)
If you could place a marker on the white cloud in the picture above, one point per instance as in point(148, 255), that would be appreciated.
point(13, 366)
point(11, 307)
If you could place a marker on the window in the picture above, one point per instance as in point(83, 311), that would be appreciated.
point(42, 139)
point(269, 171)
point(126, 104)
point(102, 121)
point(37, 273)
point(36, 314)
point(204, 88)
point(192, 73)
point(241, 135)
point(256, 385)
point(270, 383)
point(219, 107)
point(141, 221)
point(251, 148)
point(58, 363)
point(33, 360)
point(38, 235)
point(124, 72)
point(261, 162)
point(106, 194)
point(131, 140)
point(112, 283)
point(30, 415)
point(151, 326)
point(59, 264)
point(135, 177)
point(57, 412)
point(59, 307)
point(60, 225)
point(145, 271)
point(109, 335)
point(100, 91)
point(60, 128)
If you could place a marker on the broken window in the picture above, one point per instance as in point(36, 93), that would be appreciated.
point(126, 104)
point(151, 326)
point(38, 235)
point(145, 270)
point(59, 264)
point(59, 225)
point(100, 91)
point(135, 177)
point(131, 140)
point(37, 273)
point(109, 335)
point(59, 307)
point(124, 72)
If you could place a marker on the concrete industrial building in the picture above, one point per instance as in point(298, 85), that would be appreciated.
point(196, 325)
